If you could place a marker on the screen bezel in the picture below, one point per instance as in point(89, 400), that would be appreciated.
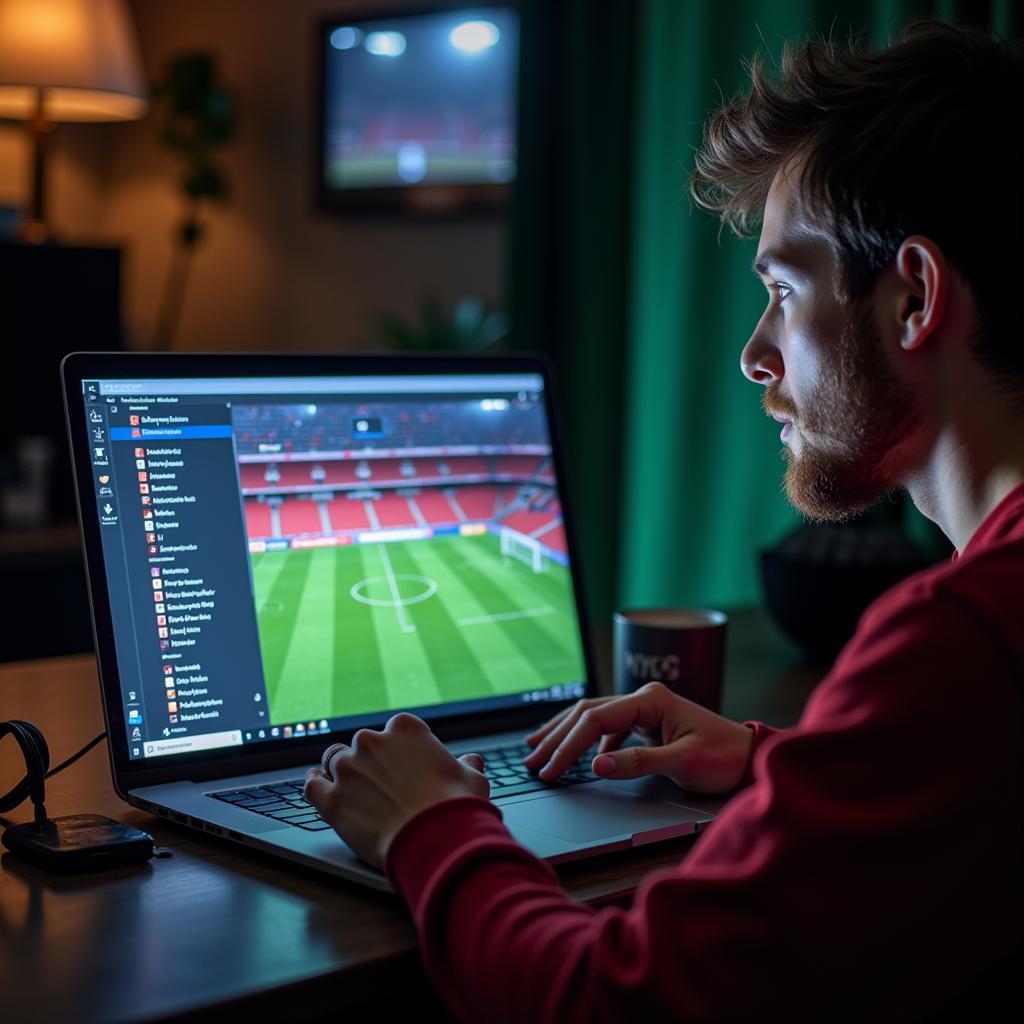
point(404, 202)
point(283, 753)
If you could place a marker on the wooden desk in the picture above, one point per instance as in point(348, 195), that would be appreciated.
point(216, 928)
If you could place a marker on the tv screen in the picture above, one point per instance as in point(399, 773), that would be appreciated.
point(419, 110)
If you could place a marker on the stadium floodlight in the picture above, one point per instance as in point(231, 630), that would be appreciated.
point(522, 548)
point(474, 36)
point(385, 44)
point(346, 38)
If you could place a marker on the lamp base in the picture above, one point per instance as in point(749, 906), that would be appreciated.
point(35, 232)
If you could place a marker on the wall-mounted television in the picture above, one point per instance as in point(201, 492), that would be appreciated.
point(418, 111)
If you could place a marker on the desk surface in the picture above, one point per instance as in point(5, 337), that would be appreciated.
point(215, 927)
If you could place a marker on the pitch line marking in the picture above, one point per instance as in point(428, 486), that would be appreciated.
point(377, 602)
point(503, 616)
point(403, 623)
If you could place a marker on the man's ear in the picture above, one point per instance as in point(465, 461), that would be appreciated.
point(923, 286)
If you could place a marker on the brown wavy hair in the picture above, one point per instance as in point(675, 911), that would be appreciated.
point(922, 136)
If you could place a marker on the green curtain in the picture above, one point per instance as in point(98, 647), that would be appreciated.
point(643, 306)
point(569, 256)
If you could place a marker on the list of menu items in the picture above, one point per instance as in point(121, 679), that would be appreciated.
point(188, 574)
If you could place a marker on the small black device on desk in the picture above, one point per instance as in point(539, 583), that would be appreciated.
point(79, 842)
point(75, 842)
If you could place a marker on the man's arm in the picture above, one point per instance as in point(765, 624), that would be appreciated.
point(849, 873)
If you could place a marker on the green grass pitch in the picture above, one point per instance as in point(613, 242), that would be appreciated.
point(373, 170)
point(363, 628)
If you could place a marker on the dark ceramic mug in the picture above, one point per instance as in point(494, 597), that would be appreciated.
point(684, 648)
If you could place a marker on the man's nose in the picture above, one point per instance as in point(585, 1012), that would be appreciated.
point(760, 359)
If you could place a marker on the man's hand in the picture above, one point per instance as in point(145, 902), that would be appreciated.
point(374, 787)
point(699, 750)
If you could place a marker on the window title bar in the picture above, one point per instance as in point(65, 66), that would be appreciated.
point(378, 385)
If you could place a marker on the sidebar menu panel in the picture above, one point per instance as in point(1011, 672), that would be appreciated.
point(179, 574)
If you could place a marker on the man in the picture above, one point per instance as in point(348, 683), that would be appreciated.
point(866, 867)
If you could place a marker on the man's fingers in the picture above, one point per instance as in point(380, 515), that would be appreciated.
point(317, 786)
point(624, 764)
point(634, 762)
point(554, 735)
point(616, 716)
point(539, 733)
point(554, 731)
point(541, 740)
point(613, 742)
point(405, 720)
point(555, 721)
point(481, 783)
point(328, 756)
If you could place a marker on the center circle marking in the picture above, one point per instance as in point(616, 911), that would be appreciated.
point(377, 602)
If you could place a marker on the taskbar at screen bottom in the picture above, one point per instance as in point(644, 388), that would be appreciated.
point(185, 744)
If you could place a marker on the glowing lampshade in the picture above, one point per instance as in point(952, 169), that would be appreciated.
point(69, 60)
point(65, 60)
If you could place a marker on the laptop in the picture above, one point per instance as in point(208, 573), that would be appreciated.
point(283, 549)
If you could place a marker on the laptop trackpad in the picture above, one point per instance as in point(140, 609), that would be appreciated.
point(597, 812)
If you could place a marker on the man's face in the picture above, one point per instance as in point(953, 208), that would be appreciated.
point(825, 370)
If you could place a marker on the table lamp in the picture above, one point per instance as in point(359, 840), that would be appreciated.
point(65, 60)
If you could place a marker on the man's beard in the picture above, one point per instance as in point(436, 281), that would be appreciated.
point(850, 427)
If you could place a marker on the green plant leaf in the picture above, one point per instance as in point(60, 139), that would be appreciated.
point(199, 116)
point(468, 327)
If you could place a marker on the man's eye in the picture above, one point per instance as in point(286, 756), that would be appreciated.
point(779, 290)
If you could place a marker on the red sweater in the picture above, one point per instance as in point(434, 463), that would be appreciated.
point(869, 870)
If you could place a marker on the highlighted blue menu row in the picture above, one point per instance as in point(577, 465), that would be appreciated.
point(166, 433)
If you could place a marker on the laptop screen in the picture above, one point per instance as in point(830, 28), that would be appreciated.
point(293, 556)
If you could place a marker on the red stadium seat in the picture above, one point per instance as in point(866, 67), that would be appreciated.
point(251, 475)
point(257, 520)
point(300, 517)
point(393, 510)
point(527, 522)
point(346, 514)
point(467, 465)
point(341, 471)
point(555, 539)
point(295, 474)
point(477, 501)
point(435, 507)
point(385, 471)
point(521, 466)
point(547, 474)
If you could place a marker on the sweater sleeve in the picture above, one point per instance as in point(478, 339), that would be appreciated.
point(761, 733)
point(840, 884)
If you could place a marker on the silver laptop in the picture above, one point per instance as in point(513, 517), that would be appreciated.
point(284, 549)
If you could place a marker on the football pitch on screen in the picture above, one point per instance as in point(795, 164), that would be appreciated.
point(368, 627)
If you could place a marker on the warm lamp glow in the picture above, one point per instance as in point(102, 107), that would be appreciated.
point(78, 57)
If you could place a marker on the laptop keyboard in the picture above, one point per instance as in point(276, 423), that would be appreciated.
point(508, 775)
point(282, 800)
point(503, 767)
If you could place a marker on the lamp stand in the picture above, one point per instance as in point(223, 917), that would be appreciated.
point(34, 229)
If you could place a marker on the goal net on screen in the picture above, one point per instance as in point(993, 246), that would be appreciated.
point(522, 548)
